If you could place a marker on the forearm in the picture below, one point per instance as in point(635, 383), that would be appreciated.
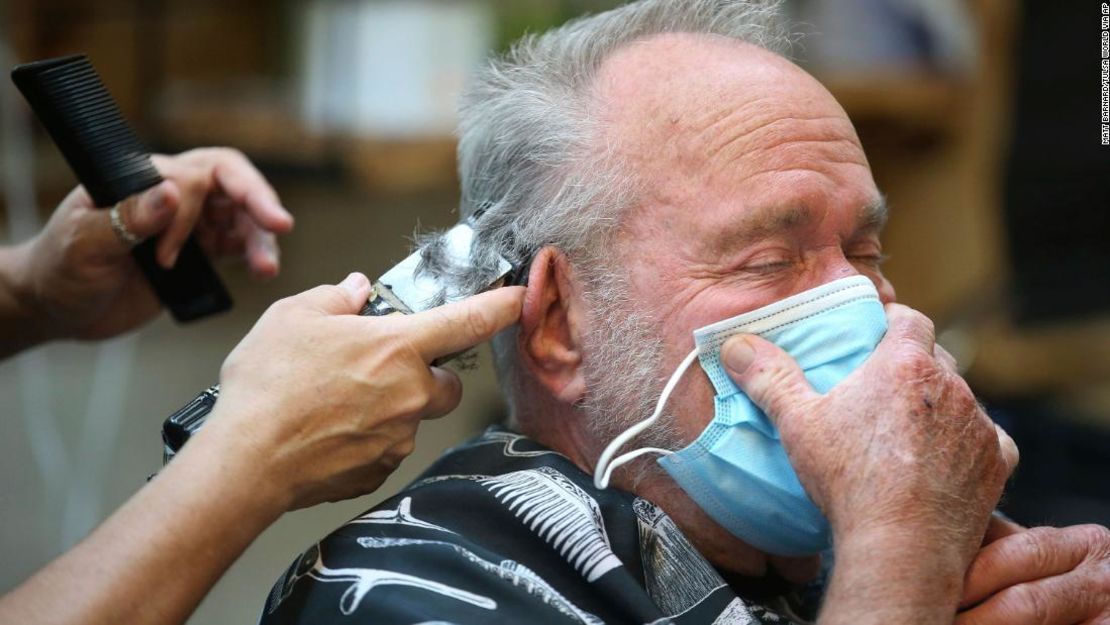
point(894, 577)
point(19, 326)
point(156, 558)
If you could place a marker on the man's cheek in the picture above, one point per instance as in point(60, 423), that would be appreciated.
point(692, 406)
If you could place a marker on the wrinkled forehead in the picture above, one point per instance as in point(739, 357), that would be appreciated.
point(703, 119)
point(706, 95)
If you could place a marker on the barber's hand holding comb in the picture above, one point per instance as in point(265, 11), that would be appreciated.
point(77, 279)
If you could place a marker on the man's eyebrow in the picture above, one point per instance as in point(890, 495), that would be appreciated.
point(768, 221)
point(873, 216)
point(763, 223)
point(760, 224)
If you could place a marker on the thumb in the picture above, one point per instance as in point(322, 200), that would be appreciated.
point(766, 374)
point(346, 298)
point(151, 212)
point(143, 215)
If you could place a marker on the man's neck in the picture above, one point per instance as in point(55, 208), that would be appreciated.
point(560, 431)
point(566, 431)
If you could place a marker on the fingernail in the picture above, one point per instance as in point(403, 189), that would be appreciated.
point(153, 203)
point(354, 283)
point(737, 354)
point(281, 212)
point(273, 253)
point(173, 259)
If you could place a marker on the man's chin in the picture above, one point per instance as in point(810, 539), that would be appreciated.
point(746, 561)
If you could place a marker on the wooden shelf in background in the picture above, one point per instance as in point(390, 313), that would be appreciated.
point(261, 122)
point(257, 120)
point(918, 102)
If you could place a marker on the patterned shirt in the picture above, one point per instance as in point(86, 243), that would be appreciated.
point(504, 530)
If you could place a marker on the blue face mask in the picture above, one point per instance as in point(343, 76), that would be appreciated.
point(737, 470)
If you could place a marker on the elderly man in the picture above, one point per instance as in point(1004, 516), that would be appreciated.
point(663, 170)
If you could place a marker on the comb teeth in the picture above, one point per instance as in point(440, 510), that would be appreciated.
point(83, 120)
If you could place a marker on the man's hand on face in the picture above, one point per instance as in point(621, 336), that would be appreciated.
point(1039, 576)
point(79, 277)
point(899, 449)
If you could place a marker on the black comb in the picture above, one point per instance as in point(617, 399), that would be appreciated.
point(81, 117)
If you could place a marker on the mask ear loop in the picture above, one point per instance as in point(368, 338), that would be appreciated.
point(606, 463)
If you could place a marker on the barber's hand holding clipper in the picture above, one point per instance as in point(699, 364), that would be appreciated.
point(323, 404)
point(318, 404)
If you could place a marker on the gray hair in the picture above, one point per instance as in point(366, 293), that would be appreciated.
point(532, 163)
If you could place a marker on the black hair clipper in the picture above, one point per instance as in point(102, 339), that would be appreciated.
point(81, 117)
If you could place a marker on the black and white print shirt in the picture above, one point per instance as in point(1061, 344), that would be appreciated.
point(504, 530)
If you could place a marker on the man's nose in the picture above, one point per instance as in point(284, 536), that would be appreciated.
point(834, 265)
point(837, 266)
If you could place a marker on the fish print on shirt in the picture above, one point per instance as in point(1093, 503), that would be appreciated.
point(662, 579)
point(363, 580)
point(561, 513)
point(514, 572)
point(676, 576)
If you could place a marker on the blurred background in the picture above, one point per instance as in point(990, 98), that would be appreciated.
point(982, 130)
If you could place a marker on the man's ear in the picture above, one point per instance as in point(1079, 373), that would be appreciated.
point(551, 326)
